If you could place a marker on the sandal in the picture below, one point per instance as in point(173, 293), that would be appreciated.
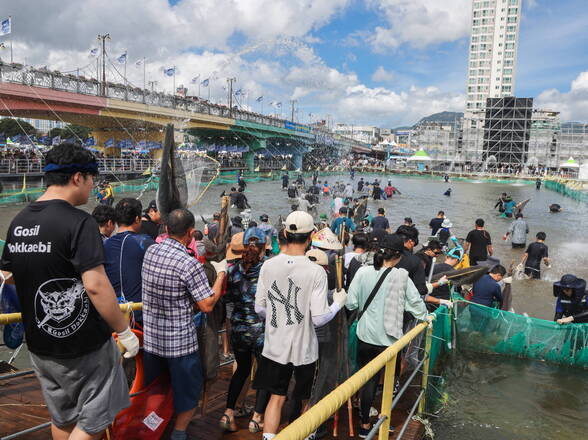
point(225, 423)
point(243, 411)
point(255, 426)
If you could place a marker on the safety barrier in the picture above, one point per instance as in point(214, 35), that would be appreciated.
point(330, 404)
point(568, 188)
point(12, 318)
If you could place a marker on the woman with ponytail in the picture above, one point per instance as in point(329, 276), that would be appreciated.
point(381, 293)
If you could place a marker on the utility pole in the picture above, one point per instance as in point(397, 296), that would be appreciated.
point(230, 90)
point(292, 104)
point(103, 38)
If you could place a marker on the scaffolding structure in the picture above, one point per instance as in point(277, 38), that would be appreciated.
point(507, 129)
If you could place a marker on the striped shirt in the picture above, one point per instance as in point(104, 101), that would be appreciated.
point(172, 282)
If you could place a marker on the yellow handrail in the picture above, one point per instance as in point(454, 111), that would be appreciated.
point(11, 318)
point(319, 413)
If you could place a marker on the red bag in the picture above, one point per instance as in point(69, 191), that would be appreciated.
point(151, 408)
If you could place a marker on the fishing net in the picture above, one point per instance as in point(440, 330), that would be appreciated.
point(184, 176)
point(441, 344)
point(489, 330)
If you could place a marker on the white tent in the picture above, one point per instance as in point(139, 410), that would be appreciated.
point(570, 163)
point(420, 156)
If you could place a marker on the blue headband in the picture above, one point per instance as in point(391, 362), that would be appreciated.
point(91, 167)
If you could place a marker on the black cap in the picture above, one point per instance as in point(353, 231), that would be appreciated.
point(394, 242)
point(152, 205)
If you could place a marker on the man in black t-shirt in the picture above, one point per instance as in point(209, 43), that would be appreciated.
point(380, 221)
point(55, 254)
point(436, 222)
point(536, 252)
point(151, 221)
point(478, 243)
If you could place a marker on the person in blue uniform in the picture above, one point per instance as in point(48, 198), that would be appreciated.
point(571, 305)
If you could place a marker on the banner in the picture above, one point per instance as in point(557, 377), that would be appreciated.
point(6, 26)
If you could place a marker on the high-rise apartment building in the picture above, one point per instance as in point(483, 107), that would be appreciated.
point(493, 51)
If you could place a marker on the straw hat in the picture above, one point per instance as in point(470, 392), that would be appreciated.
point(236, 247)
point(326, 239)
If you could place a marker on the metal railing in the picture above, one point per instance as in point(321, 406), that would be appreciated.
point(43, 78)
point(330, 404)
point(113, 165)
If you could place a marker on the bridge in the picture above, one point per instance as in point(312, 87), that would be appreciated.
point(118, 112)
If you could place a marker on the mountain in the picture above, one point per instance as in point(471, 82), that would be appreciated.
point(442, 117)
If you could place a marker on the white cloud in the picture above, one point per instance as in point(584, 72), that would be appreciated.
point(573, 105)
point(272, 58)
point(420, 23)
point(383, 75)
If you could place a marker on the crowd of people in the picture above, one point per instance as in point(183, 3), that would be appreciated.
point(278, 285)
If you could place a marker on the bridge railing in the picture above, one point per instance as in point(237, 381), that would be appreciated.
point(44, 78)
point(109, 165)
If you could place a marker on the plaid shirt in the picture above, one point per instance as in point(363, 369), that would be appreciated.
point(172, 281)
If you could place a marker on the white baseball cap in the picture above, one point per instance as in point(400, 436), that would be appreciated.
point(317, 256)
point(299, 222)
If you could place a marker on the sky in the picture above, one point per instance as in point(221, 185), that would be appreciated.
point(364, 62)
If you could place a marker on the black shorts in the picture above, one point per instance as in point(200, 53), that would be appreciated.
point(275, 378)
point(518, 245)
point(533, 272)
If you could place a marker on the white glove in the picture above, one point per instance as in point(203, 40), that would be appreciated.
point(446, 302)
point(340, 297)
point(130, 343)
point(442, 281)
point(221, 266)
point(565, 320)
point(430, 318)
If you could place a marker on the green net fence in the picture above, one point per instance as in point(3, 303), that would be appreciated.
point(564, 188)
point(489, 330)
point(441, 340)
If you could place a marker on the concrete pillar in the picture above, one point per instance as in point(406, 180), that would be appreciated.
point(249, 160)
point(297, 161)
point(254, 145)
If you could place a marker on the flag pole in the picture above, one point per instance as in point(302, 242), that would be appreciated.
point(174, 83)
point(144, 74)
point(209, 87)
point(10, 21)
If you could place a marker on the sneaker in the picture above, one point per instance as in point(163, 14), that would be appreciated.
point(363, 432)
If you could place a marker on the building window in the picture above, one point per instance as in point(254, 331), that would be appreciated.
point(513, 11)
point(509, 54)
point(512, 19)
point(507, 80)
point(507, 71)
point(509, 46)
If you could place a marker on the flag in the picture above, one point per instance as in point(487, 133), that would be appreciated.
point(9, 141)
point(6, 26)
point(170, 71)
point(123, 58)
point(259, 99)
point(90, 142)
point(109, 142)
point(94, 52)
point(139, 62)
point(239, 92)
point(205, 82)
point(56, 140)
point(195, 79)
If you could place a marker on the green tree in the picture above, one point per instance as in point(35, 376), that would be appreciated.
point(12, 127)
point(55, 132)
point(70, 131)
point(79, 130)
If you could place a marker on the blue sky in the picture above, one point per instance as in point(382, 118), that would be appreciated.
point(380, 62)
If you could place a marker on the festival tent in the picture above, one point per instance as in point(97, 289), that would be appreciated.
point(420, 156)
point(570, 163)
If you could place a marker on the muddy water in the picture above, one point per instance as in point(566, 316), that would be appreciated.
point(490, 398)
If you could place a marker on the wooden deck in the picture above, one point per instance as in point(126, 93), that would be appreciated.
point(22, 407)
